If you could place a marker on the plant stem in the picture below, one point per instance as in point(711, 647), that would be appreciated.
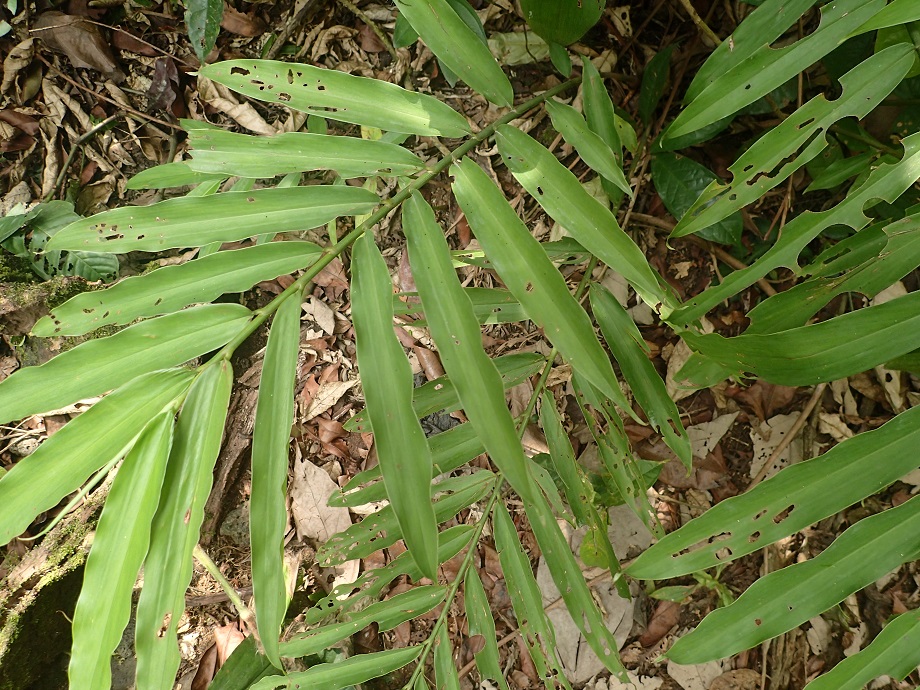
point(245, 614)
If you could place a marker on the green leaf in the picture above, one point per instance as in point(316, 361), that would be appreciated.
point(458, 47)
point(445, 670)
point(562, 21)
point(602, 119)
point(789, 597)
point(339, 96)
point(405, 459)
point(202, 17)
point(896, 12)
point(886, 182)
point(790, 501)
point(456, 333)
point(768, 163)
point(243, 668)
point(334, 676)
point(680, 181)
point(654, 82)
point(825, 351)
point(894, 652)
point(766, 68)
point(228, 153)
point(271, 438)
point(386, 614)
point(531, 277)
point(119, 547)
point(592, 149)
point(479, 617)
point(491, 305)
point(197, 221)
point(172, 288)
point(574, 485)
point(97, 366)
point(562, 196)
point(168, 568)
point(631, 354)
point(176, 174)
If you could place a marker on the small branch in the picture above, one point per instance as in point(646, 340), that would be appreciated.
point(372, 25)
point(245, 614)
point(82, 139)
point(700, 24)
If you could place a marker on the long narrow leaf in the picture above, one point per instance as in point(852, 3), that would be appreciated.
point(97, 366)
point(339, 96)
point(479, 617)
point(334, 676)
point(193, 221)
point(85, 444)
point(445, 670)
point(386, 377)
point(171, 288)
point(168, 568)
point(270, 449)
point(119, 547)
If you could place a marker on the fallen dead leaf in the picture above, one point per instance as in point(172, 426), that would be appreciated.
point(739, 679)
point(17, 60)
point(696, 676)
point(764, 398)
point(241, 24)
point(326, 396)
point(767, 437)
point(313, 517)
point(663, 619)
point(80, 41)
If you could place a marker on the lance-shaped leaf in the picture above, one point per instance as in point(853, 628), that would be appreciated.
point(886, 182)
point(479, 616)
point(193, 221)
point(244, 667)
point(172, 288)
point(270, 448)
point(895, 652)
point(176, 174)
point(339, 96)
point(531, 277)
point(768, 68)
point(168, 568)
point(768, 163)
point(563, 197)
point(789, 597)
point(81, 447)
point(574, 484)
point(228, 153)
point(386, 614)
point(790, 501)
point(894, 13)
point(386, 377)
point(334, 676)
point(445, 671)
point(593, 150)
point(631, 353)
point(491, 305)
point(203, 20)
point(602, 120)
point(535, 625)
point(455, 331)
point(825, 351)
point(97, 366)
point(118, 551)
point(455, 44)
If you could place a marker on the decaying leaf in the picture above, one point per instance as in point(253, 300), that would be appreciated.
point(80, 41)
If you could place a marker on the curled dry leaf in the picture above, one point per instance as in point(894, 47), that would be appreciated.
point(663, 619)
point(80, 41)
point(242, 24)
point(165, 84)
point(18, 59)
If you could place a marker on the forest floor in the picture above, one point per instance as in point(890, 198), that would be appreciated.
point(97, 97)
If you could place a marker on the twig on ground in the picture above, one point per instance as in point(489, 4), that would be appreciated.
point(372, 25)
point(82, 139)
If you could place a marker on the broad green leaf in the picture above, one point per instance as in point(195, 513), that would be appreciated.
point(562, 21)
point(896, 12)
point(119, 547)
point(601, 119)
point(768, 68)
point(894, 652)
point(81, 447)
point(789, 597)
point(97, 366)
point(440, 394)
point(840, 171)
point(449, 450)
point(527, 601)
point(176, 174)
point(386, 614)
point(456, 333)
point(679, 182)
point(386, 378)
point(826, 351)
point(531, 277)
point(631, 354)
point(383, 528)
point(574, 484)
point(788, 502)
point(339, 96)
point(654, 82)
point(479, 617)
point(243, 668)
point(197, 221)
point(172, 288)
point(562, 196)
point(458, 47)
point(271, 439)
point(445, 671)
point(371, 583)
point(334, 676)
point(202, 17)
point(596, 154)
point(767, 163)
point(168, 568)
point(228, 153)
point(886, 182)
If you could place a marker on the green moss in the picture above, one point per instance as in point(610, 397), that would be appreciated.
point(13, 269)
